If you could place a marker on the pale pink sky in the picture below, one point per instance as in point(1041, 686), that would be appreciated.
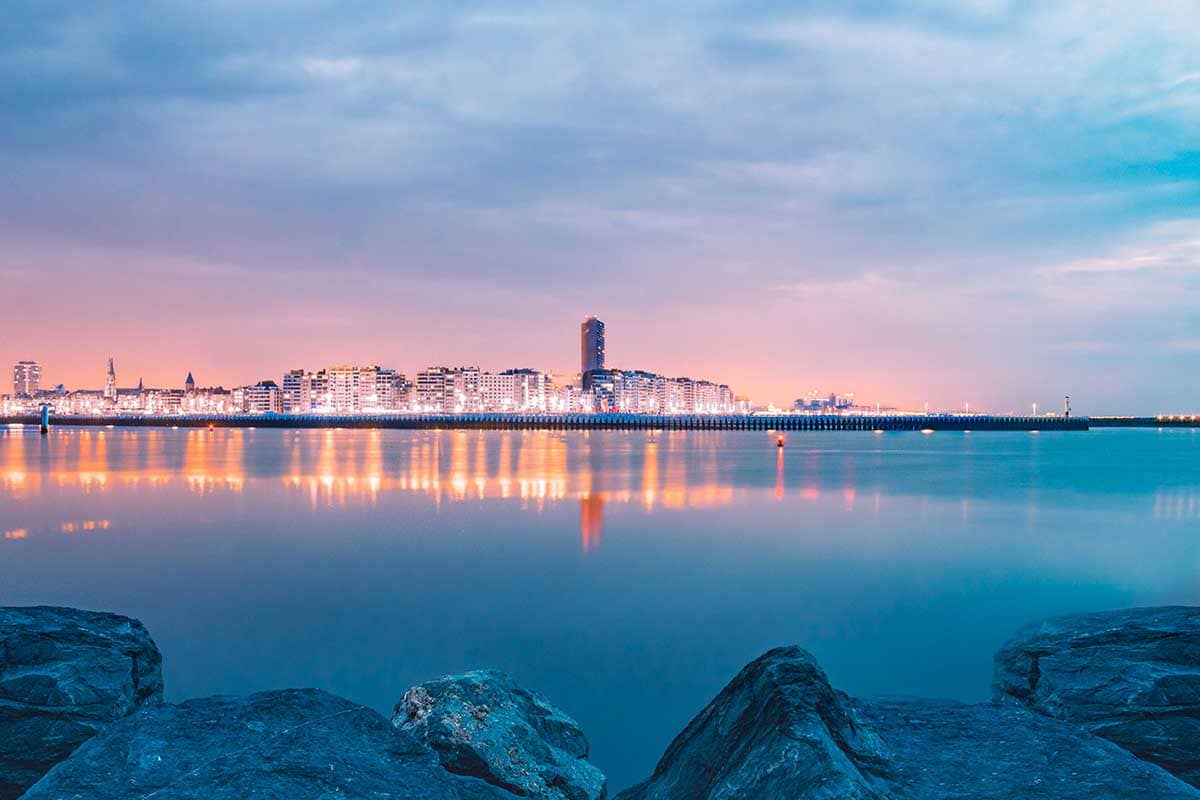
point(984, 202)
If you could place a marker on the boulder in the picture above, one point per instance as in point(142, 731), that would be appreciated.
point(64, 675)
point(777, 730)
point(484, 725)
point(949, 751)
point(1132, 677)
point(293, 744)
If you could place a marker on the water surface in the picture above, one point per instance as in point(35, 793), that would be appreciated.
point(626, 575)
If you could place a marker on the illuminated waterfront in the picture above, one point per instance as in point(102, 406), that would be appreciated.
point(592, 564)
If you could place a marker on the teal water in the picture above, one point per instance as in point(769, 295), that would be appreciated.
point(627, 576)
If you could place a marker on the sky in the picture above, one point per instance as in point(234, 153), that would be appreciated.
point(973, 201)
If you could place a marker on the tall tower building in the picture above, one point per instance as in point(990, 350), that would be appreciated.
point(189, 385)
point(110, 382)
point(591, 345)
point(27, 378)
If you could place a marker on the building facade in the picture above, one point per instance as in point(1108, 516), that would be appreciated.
point(431, 390)
point(110, 382)
point(297, 392)
point(264, 397)
point(591, 345)
point(27, 378)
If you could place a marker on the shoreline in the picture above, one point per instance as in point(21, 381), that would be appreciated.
point(722, 422)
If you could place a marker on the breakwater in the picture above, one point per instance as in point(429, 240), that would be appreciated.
point(716, 422)
point(1165, 421)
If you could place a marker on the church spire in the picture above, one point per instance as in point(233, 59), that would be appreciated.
point(110, 382)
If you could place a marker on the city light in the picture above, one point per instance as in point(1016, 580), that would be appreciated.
point(375, 391)
point(349, 389)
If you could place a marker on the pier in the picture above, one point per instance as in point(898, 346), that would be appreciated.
point(1162, 421)
point(697, 422)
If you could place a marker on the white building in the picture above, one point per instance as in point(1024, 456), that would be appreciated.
point(638, 392)
point(529, 389)
point(431, 387)
point(27, 378)
point(264, 397)
point(345, 388)
point(297, 392)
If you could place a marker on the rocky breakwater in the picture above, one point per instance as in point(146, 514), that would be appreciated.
point(484, 725)
point(65, 675)
point(294, 744)
point(1091, 707)
point(779, 730)
point(1131, 676)
point(81, 716)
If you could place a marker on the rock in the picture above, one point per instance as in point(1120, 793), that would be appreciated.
point(64, 675)
point(1130, 676)
point(484, 725)
point(296, 744)
point(778, 730)
point(948, 751)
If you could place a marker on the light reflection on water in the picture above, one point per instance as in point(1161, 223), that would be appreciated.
point(337, 469)
point(627, 575)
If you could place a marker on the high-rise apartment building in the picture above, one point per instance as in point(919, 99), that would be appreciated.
point(639, 392)
point(388, 388)
point(431, 389)
point(591, 345)
point(465, 389)
point(345, 389)
point(27, 378)
point(297, 392)
point(529, 389)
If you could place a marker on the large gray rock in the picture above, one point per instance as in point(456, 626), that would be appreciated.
point(778, 730)
point(1130, 676)
point(64, 675)
point(948, 751)
point(297, 744)
point(483, 724)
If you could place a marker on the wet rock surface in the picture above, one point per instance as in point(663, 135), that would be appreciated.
point(949, 751)
point(293, 744)
point(484, 725)
point(1092, 706)
point(65, 674)
point(1131, 676)
point(777, 730)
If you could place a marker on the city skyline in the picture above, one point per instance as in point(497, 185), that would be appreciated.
point(371, 388)
point(942, 202)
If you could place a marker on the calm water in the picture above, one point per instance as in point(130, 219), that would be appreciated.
point(625, 575)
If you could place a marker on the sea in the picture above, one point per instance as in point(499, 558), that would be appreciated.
point(625, 575)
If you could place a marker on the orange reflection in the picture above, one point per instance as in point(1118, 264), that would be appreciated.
point(334, 469)
point(779, 474)
point(591, 521)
